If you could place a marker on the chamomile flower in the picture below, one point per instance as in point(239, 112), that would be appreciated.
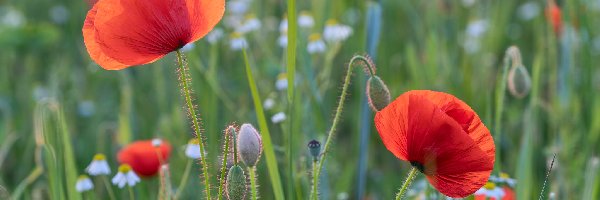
point(213, 36)
point(305, 20)
point(268, 104)
point(504, 178)
point(238, 7)
point(315, 44)
point(251, 23)
point(99, 166)
point(489, 190)
point(282, 41)
point(335, 32)
point(281, 83)
point(278, 117)
point(192, 149)
point(283, 25)
point(84, 183)
point(156, 142)
point(126, 176)
point(237, 42)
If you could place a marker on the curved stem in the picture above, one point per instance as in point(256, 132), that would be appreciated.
point(184, 179)
point(407, 182)
point(131, 195)
point(224, 164)
point(186, 90)
point(111, 194)
point(336, 121)
point(252, 171)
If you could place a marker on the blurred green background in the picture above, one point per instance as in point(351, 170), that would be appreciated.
point(52, 94)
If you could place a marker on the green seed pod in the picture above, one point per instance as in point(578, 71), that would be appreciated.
point(249, 145)
point(519, 81)
point(377, 93)
point(314, 147)
point(236, 183)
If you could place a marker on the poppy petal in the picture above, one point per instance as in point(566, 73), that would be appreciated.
point(143, 158)
point(391, 126)
point(204, 15)
point(93, 47)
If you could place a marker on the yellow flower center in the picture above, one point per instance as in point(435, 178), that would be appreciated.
point(194, 141)
point(236, 35)
point(504, 175)
point(331, 22)
point(124, 168)
point(314, 37)
point(282, 76)
point(82, 177)
point(99, 157)
point(305, 13)
point(489, 186)
point(250, 16)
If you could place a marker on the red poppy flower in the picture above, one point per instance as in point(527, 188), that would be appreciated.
point(142, 156)
point(509, 193)
point(554, 15)
point(442, 137)
point(123, 33)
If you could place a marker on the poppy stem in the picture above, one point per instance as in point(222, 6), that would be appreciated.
point(228, 136)
point(411, 176)
point(186, 90)
point(184, 179)
point(254, 191)
point(336, 120)
point(111, 194)
point(315, 180)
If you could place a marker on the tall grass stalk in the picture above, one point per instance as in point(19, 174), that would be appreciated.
point(266, 136)
point(185, 80)
point(291, 78)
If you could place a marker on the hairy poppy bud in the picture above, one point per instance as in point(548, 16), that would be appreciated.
point(314, 147)
point(249, 145)
point(236, 183)
point(519, 82)
point(377, 93)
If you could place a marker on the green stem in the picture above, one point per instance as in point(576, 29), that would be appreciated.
point(131, 195)
point(264, 129)
point(291, 73)
point(224, 165)
point(111, 194)
point(253, 188)
point(336, 119)
point(185, 87)
point(409, 179)
point(314, 192)
point(184, 179)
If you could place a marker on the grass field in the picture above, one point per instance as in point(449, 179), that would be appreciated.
point(59, 108)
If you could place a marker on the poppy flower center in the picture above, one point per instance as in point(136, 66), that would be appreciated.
point(418, 165)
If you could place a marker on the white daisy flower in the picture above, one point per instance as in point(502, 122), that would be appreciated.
point(505, 178)
point(278, 118)
point(315, 44)
point(99, 166)
point(11, 17)
point(251, 23)
point(335, 32)
point(268, 104)
point(126, 176)
point(490, 190)
point(282, 41)
point(305, 20)
point(213, 36)
point(237, 42)
point(283, 25)
point(528, 11)
point(477, 28)
point(84, 183)
point(156, 142)
point(281, 83)
point(238, 7)
point(192, 149)
point(233, 21)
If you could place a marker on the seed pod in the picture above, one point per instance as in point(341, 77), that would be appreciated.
point(249, 145)
point(236, 183)
point(377, 93)
point(519, 81)
point(314, 147)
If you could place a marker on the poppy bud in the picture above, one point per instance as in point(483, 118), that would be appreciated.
point(314, 147)
point(519, 82)
point(236, 183)
point(377, 93)
point(249, 145)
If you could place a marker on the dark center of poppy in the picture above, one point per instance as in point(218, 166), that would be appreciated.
point(418, 165)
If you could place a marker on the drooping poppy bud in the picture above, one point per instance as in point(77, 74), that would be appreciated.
point(249, 144)
point(143, 156)
point(519, 81)
point(377, 93)
point(236, 183)
point(314, 147)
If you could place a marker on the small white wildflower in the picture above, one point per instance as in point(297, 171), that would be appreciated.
point(99, 166)
point(238, 7)
point(468, 3)
point(233, 21)
point(490, 190)
point(335, 32)
point(213, 36)
point(528, 11)
point(315, 44)
point(268, 104)
point(250, 24)
point(12, 17)
point(282, 41)
point(505, 178)
point(84, 183)
point(126, 176)
point(283, 25)
point(192, 149)
point(281, 83)
point(305, 20)
point(278, 117)
point(477, 28)
point(156, 142)
point(188, 47)
point(59, 14)
point(237, 42)
point(471, 45)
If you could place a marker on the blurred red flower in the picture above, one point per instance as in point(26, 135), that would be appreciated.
point(554, 15)
point(509, 193)
point(123, 33)
point(442, 137)
point(143, 158)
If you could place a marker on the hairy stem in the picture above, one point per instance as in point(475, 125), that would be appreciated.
point(411, 176)
point(253, 189)
point(315, 178)
point(224, 165)
point(186, 90)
